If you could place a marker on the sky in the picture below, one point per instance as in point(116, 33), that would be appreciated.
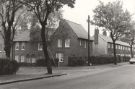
point(83, 8)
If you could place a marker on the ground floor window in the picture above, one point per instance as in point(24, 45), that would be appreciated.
point(22, 59)
point(17, 58)
point(60, 56)
point(33, 60)
point(28, 60)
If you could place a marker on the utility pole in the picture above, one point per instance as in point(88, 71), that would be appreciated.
point(89, 60)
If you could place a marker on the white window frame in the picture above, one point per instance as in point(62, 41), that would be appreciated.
point(85, 44)
point(60, 56)
point(59, 44)
point(23, 46)
point(40, 47)
point(33, 60)
point(17, 46)
point(67, 43)
point(80, 42)
point(17, 58)
point(22, 59)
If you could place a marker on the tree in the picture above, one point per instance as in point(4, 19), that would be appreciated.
point(8, 11)
point(42, 10)
point(113, 18)
point(129, 37)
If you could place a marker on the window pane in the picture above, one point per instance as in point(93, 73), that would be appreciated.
point(80, 42)
point(59, 43)
point(33, 60)
point(22, 59)
point(85, 44)
point(67, 43)
point(23, 46)
point(40, 47)
point(17, 58)
point(60, 56)
point(17, 46)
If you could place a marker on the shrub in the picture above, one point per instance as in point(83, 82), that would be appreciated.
point(101, 59)
point(76, 61)
point(106, 59)
point(41, 62)
point(8, 67)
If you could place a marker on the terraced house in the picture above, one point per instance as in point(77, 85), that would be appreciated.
point(104, 46)
point(28, 48)
point(69, 39)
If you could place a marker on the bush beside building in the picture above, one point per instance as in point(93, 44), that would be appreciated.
point(8, 67)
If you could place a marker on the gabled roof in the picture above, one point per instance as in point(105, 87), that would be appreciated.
point(23, 36)
point(108, 39)
point(78, 29)
point(26, 35)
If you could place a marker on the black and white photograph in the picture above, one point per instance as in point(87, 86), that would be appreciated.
point(67, 44)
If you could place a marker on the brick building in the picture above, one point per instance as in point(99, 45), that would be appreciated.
point(103, 46)
point(28, 48)
point(70, 39)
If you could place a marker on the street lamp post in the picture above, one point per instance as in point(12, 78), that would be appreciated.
point(89, 61)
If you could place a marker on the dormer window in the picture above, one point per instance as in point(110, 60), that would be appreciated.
point(17, 46)
point(23, 46)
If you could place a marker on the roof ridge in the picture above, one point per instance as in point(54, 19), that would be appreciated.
point(72, 22)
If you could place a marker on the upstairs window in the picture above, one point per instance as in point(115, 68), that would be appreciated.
point(67, 43)
point(23, 46)
point(17, 46)
point(40, 46)
point(80, 42)
point(85, 44)
point(59, 43)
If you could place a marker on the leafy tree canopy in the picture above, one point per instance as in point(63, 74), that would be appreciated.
point(112, 17)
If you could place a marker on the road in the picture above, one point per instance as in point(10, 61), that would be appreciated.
point(117, 78)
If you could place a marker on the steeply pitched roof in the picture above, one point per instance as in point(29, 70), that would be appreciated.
point(23, 36)
point(78, 29)
point(26, 35)
point(108, 39)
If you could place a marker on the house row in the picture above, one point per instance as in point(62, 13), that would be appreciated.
point(69, 39)
point(103, 45)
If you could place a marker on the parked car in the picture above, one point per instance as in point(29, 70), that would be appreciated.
point(132, 60)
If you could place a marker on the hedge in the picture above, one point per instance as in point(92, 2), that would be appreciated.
point(42, 62)
point(77, 61)
point(108, 59)
point(8, 67)
point(96, 60)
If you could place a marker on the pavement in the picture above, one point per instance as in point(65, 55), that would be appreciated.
point(35, 73)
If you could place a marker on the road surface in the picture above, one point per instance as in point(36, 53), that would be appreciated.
point(117, 78)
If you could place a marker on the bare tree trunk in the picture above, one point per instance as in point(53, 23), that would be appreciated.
point(44, 42)
point(114, 53)
point(131, 51)
point(7, 43)
point(7, 49)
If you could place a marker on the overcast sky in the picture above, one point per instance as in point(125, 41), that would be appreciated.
point(83, 8)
